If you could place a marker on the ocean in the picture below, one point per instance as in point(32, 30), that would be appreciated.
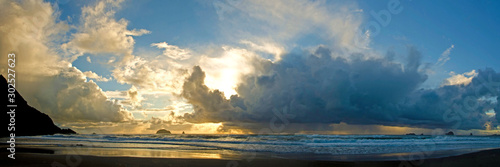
point(298, 146)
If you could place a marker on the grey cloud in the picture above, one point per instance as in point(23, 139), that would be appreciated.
point(318, 89)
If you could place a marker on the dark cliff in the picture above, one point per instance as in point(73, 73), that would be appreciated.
point(28, 121)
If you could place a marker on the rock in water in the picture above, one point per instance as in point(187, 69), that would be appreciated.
point(450, 133)
point(26, 120)
point(163, 131)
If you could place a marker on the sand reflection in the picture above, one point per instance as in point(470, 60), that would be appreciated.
point(205, 154)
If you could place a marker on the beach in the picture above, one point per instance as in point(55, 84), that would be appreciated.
point(253, 150)
point(40, 157)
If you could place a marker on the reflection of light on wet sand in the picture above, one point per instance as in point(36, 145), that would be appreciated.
point(210, 154)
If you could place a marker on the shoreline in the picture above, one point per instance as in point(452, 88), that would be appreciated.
point(43, 156)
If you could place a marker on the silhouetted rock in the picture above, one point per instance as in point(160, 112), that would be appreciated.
point(183, 132)
point(470, 134)
point(163, 131)
point(67, 131)
point(411, 134)
point(26, 120)
point(450, 133)
point(421, 134)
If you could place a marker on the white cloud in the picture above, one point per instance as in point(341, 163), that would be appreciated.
point(68, 97)
point(445, 56)
point(46, 80)
point(157, 74)
point(173, 51)
point(224, 73)
point(93, 75)
point(460, 79)
point(101, 33)
point(27, 28)
point(89, 60)
point(116, 94)
point(266, 47)
point(135, 97)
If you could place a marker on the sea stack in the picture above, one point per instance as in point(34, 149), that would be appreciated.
point(163, 131)
point(450, 133)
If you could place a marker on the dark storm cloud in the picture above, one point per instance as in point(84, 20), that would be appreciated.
point(318, 89)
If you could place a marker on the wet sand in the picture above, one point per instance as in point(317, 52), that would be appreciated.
point(46, 157)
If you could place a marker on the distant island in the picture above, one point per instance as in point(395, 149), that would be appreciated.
point(450, 133)
point(25, 120)
point(163, 131)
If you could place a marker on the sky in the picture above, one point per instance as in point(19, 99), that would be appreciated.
point(257, 66)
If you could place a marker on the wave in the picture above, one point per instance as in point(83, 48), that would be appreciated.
point(316, 144)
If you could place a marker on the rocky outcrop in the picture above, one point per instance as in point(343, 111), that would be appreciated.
point(25, 120)
point(163, 131)
point(450, 133)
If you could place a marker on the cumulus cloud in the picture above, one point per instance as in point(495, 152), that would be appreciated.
point(101, 33)
point(225, 70)
point(134, 98)
point(68, 97)
point(460, 79)
point(30, 29)
point(323, 89)
point(157, 74)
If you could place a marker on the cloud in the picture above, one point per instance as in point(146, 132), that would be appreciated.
point(210, 106)
point(101, 33)
point(173, 51)
point(225, 70)
point(46, 80)
point(460, 79)
point(67, 97)
point(158, 74)
point(116, 94)
point(132, 127)
point(89, 60)
point(28, 29)
point(282, 21)
point(225, 66)
point(270, 48)
point(323, 89)
point(445, 56)
point(93, 75)
point(134, 97)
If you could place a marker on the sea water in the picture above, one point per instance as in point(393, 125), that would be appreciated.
point(297, 144)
